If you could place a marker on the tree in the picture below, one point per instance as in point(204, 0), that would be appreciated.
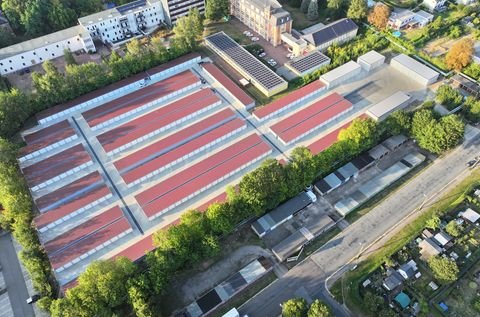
point(69, 59)
point(334, 4)
point(187, 30)
point(138, 294)
point(453, 129)
point(60, 17)
point(448, 97)
point(357, 10)
point(301, 171)
point(444, 269)
point(373, 302)
point(217, 9)
point(312, 13)
point(455, 31)
point(398, 122)
point(476, 304)
point(472, 106)
point(295, 307)
point(304, 6)
point(14, 110)
point(433, 223)
point(460, 55)
point(221, 218)
point(454, 229)
point(33, 18)
point(379, 15)
point(319, 309)
point(362, 132)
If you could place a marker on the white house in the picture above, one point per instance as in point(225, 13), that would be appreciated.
point(116, 25)
point(29, 53)
point(469, 215)
point(408, 18)
point(423, 18)
point(408, 270)
point(434, 5)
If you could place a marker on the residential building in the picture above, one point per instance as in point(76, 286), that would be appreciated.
point(428, 248)
point(470, 215)
point(337, 32)
point(265, 17)
point(29, 53)
point(175, 9)
point(401, 20)
point(434, 5)
point(423, 18)
point(119, 24)
point(408, 270)
point(393, 281)
point(442, 239)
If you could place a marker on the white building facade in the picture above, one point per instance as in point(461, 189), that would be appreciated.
point(29, 53)
point(434, 5)
point(175, 9)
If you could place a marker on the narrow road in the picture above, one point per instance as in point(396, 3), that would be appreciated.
point(314, 271)
point(12, 273)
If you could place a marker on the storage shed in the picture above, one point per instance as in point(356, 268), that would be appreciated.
point(340, 74)
point(414, 69)
point(384, 108)
point(371, 60)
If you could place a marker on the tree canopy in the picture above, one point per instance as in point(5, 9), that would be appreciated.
point(460, 54)
point(445, 270)
point(217, 9)
point(433, 223)
point(312, 13)
point(295, 307)
point(454, 229)
point(357, 9)
point(379, 15)
point(319, 309)
point(449, 97)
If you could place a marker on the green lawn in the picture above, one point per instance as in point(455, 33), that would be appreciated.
point(229, 29)
point(353, 280)
point(300, 20)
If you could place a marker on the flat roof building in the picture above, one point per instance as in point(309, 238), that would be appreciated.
point(414, 69)
point(262, 77)
point(304, 65)
point(384, 108)
point(337, 32)
point(371, 60)
point(341, 74)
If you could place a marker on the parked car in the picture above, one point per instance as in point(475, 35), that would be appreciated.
point(262, 54)
point(255, 39)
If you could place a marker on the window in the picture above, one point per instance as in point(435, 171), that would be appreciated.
point(57, 46)
point(22, 57)
point(34, 53)
point(68, 42)
point(41, 59)
point(11, 68)
point(53, 54)
point(23, 64)
point(46, 49)
point(10, 61)
point(5, 70)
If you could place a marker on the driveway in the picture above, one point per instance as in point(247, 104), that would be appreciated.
point(357, 238)
point(17, 291)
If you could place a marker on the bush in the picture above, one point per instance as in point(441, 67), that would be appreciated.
point(296, 307)
point(449, 97)
point(444, 270)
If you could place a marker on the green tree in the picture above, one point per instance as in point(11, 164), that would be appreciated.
point(301, 171)
point(454, 229)
point(50, 86)
point(334, 4)
point(455, 31)
point(444, 270)
point(304, 6)
point(14, 110)
point(398, 122)
point(319, 309)
point(476, 304)
point(448, 97)
point(33, 18)
point(258, 190)
point(138, 294)
point(357, 9)
point(13, 10)
point(472, 106)
point(362, 132)
point(217, 9)
point(312, 13)
point(295, 307)
point(188, 30)
point(453, 128)
point(221, 217)
point(69, 58)
point(373, 302)
point(60, 17)
point(433, 223)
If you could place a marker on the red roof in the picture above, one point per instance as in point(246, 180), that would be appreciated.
point(139, 98)
point(226, 82)
point(138, 249)
point(114, 86)
point(55, 165)
point(181, 151)
point(314, 121)
point(67, 191)
point(168, 143)
point(217, 199)
point(157, 119)
point(46, 136)
point(80, 201)
point(327, 140)
point(279, 104)
point(90, 242)
point(305, 113)
point(83, 230)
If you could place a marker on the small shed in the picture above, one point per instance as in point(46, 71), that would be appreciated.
point(381, 110)
point(378, 152)
point(442, 238)
point(470, 215)
point(341, 74)
point(403, 300)
point(393, 281)
point(394, 142)
point(371, 60)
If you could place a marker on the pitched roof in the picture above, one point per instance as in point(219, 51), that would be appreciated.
point(330, 32)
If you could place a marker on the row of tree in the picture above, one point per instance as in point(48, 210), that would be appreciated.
point(298, 307)
point(53, 87)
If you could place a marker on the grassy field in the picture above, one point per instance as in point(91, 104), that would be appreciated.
point(353, 279)
point(229, 29)
point(300, 20)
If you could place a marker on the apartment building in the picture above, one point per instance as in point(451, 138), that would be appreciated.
point(265, 17)
point(29, 53)
point(434, 5)
point(337, 32)
point(175, 9)
point(117, 25)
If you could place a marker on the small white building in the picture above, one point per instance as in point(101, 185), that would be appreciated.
point(470, 215)
point(35, 51)
point(442, 238)
point(434, 5)
point(414, 69)
point(408, 269)
point(401, 20)
point(423, 18)
point(119, 24)
point(340, 74)
point(380, 111)
point(371, 60)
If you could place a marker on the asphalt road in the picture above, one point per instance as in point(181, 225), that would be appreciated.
point(17, 290)
point(356, 238)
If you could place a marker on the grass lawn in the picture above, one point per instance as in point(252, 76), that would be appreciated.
point(353, 280)
point(229, 29)
point(370, 204)
point(300, 20)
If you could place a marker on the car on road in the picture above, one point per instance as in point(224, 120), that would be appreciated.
point(471, 163)
point(32, 299)
point(255, 39)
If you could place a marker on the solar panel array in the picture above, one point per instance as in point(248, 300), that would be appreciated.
point(313, 60)
point(333, 30)
point(250, 64)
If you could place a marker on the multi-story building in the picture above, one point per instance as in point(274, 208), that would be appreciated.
point(25, 54)
point(401, 20)
point(337, 32)
point(434, 5)
point(175, 9)
point(265, 17)
point(119, 24)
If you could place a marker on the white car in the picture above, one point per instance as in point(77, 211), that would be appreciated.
point(255, 39)
point(262, 54)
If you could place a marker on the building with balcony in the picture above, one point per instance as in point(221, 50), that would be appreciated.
point(265, 17)
point(175, 9)
point(117, 25)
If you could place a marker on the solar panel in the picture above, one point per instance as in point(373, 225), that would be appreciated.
point(131, 6)
point(333, 30)
point(246, 61)
point(310, 61)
